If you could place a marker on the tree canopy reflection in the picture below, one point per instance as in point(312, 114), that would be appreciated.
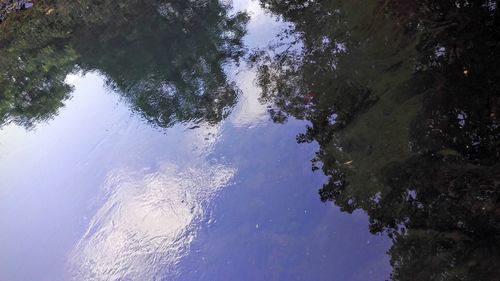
point(403, 99)
point(165, 58)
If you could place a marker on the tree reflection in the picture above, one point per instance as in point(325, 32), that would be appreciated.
point(34, 60)
point(403, 99)
point(165, 58)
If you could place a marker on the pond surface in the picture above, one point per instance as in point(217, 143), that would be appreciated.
point(187, 140)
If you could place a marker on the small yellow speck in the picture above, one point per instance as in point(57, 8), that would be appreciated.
point(348, 162)
point(466, 72)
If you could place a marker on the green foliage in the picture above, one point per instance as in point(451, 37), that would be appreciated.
point(402, 97)
point(165, 58)
point(168, 65)
point(35, 58)
point(35, 88)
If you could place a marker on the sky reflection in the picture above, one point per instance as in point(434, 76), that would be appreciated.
point(146, 223)
point(147, 217)
point(99, 194)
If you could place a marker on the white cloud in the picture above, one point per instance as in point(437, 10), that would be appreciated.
point(146, 223)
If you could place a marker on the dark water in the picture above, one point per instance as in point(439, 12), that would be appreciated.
point(187, 140)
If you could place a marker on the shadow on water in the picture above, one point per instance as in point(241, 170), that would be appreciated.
point(165, 58)
point(403, 98)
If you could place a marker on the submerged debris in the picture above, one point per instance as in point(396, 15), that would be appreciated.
point(10, 6)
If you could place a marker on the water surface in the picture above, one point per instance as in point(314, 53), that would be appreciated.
point(187, 140)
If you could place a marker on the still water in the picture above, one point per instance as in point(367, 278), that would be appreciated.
point(187, 140)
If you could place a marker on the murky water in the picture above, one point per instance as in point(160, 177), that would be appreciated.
point(187, 140)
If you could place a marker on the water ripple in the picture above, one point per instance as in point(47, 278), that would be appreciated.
point(146, 223)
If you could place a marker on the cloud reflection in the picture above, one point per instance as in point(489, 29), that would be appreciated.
point(250, 112)
point(148, 219)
